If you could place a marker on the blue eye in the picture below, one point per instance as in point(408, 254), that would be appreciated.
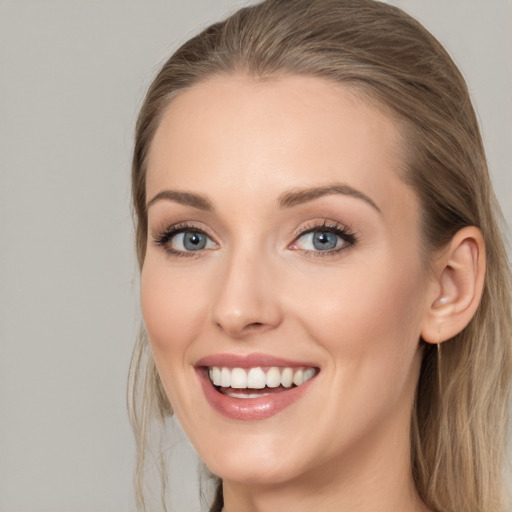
point(189, 241)
point(324, 241)
point(327, 239)
point(181, 240)
point(318, 241)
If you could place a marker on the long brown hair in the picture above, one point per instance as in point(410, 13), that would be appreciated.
point(458, 432)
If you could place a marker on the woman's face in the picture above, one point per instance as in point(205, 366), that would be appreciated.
point(282, 247)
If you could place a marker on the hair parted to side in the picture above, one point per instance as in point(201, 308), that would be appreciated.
point(458, 433)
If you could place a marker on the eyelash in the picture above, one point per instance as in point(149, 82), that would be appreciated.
point(163, 238)
point(342, 231)
point(349, 238)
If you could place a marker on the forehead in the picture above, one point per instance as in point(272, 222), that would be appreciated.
point(285, 132)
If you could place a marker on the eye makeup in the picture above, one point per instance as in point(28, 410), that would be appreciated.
point(194, 240)
point(318, 239)
point(321, 236)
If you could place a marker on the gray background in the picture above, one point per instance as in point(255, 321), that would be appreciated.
point(72, 75)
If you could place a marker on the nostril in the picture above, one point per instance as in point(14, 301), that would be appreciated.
point(255, 326)
point(241, 330)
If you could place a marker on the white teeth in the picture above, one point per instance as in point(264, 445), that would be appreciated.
point(273, 377)
point(238, 378)
point(215, 375)
point(298, 377)
point(233, 394)
point(225, 378)
point(308, 374)
point(287, 378)
point(257, 378)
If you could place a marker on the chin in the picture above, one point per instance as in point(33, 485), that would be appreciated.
point(254, 474)
point(254, 465)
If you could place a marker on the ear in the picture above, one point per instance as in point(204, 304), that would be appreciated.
point(457, 286)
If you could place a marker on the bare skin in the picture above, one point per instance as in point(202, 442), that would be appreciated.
point(234, 153)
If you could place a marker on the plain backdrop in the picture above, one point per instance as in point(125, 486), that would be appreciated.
point(72, 75)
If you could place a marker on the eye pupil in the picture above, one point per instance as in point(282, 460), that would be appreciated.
point(324, 240)
point(193, 241)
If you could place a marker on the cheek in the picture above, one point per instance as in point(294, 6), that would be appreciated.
point(369, 332)
point(368, 321)
point(172, 311)
point(173, 315)
point(360, 300)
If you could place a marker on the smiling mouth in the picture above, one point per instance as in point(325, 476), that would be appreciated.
point(258, 381)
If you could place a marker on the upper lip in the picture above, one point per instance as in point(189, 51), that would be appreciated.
point(249, 361)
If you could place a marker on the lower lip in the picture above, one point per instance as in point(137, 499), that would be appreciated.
point(250, 409)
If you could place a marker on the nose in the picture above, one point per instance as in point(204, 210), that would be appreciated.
point(247, 300)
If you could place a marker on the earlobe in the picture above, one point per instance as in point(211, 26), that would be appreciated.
point(459, 275)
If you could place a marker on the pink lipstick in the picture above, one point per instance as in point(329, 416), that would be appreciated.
point(253, 386)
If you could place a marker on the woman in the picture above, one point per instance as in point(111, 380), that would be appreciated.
point(324, 288)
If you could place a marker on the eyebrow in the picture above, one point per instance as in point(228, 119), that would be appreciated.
point(287, 200)
point(303, 195)
point(186, 198)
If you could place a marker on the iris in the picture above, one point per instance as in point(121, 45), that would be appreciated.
point(193, 241)
point(323, 241)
